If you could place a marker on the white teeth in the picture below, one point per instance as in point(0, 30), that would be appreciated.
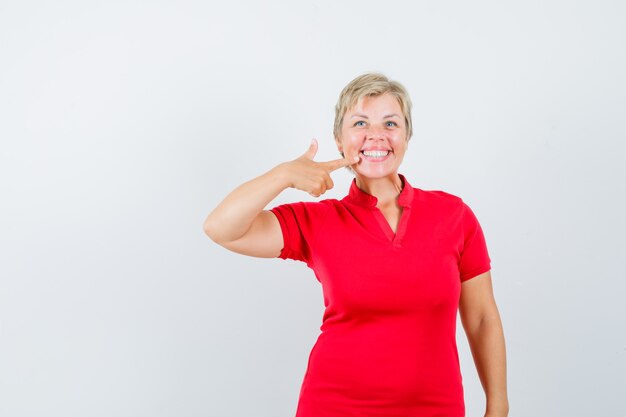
point(375, 154)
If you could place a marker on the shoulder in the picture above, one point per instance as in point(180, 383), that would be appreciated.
point(305, 209)
point(438, 199)
point(441, 195)
point(313, 206)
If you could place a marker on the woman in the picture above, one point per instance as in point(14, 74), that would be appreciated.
point(395, 263)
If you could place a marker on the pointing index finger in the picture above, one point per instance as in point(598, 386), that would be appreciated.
point(339, 163)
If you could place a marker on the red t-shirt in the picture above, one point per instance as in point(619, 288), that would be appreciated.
point(387, 346)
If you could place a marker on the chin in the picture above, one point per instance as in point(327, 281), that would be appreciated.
point(375, 172)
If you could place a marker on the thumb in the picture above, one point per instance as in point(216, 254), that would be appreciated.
point(310, 153)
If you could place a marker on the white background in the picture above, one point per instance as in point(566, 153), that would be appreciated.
point(122, 124)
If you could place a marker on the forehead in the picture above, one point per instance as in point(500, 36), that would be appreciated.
point(379, 104)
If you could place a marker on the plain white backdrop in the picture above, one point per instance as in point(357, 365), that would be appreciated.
point(123, 124)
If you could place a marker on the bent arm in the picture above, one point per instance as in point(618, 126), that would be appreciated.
point(483, 327)
point(239, 222)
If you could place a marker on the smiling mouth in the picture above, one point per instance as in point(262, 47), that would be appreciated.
point(375, 154)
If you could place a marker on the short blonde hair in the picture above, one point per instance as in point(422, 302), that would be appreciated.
point(371, 84)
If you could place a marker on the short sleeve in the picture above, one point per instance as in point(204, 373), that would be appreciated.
point(474, 259)
point(299, 222)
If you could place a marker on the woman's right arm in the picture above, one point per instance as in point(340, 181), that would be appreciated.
point(240, 223)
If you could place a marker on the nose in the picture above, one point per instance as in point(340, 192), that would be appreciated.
point(375, 133)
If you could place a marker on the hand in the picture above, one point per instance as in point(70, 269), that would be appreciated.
point(313, 177)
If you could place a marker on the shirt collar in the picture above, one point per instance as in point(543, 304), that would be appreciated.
point(361, 198)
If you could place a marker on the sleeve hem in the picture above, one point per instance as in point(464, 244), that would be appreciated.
point(284, 254)
point(473, 274)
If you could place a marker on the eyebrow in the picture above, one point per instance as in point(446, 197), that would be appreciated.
point(365, 117)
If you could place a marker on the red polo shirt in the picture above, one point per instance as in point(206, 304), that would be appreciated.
point(387, 345)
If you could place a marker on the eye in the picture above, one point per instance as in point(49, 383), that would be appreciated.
point(391, 124)
point(360, 123)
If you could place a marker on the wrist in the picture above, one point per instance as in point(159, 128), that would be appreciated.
point(497, 410)
point(280, 174)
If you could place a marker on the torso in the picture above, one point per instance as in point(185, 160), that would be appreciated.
point(387, 344)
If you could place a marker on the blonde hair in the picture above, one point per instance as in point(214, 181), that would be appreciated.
point(371, 84)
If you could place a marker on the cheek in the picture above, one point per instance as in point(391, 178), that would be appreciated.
point(350, 141)
point(351, 148)
point(400, 142)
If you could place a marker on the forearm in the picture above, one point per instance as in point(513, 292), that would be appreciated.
point(489, 352)
point(232, 218)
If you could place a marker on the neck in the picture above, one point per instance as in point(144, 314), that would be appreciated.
point(385, 189)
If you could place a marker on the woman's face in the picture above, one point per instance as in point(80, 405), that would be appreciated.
point(375, 131)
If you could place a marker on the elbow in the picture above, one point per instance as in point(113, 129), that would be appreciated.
point(211, 230)
point(484, 326)
point(472, 327)
point(216, 232)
